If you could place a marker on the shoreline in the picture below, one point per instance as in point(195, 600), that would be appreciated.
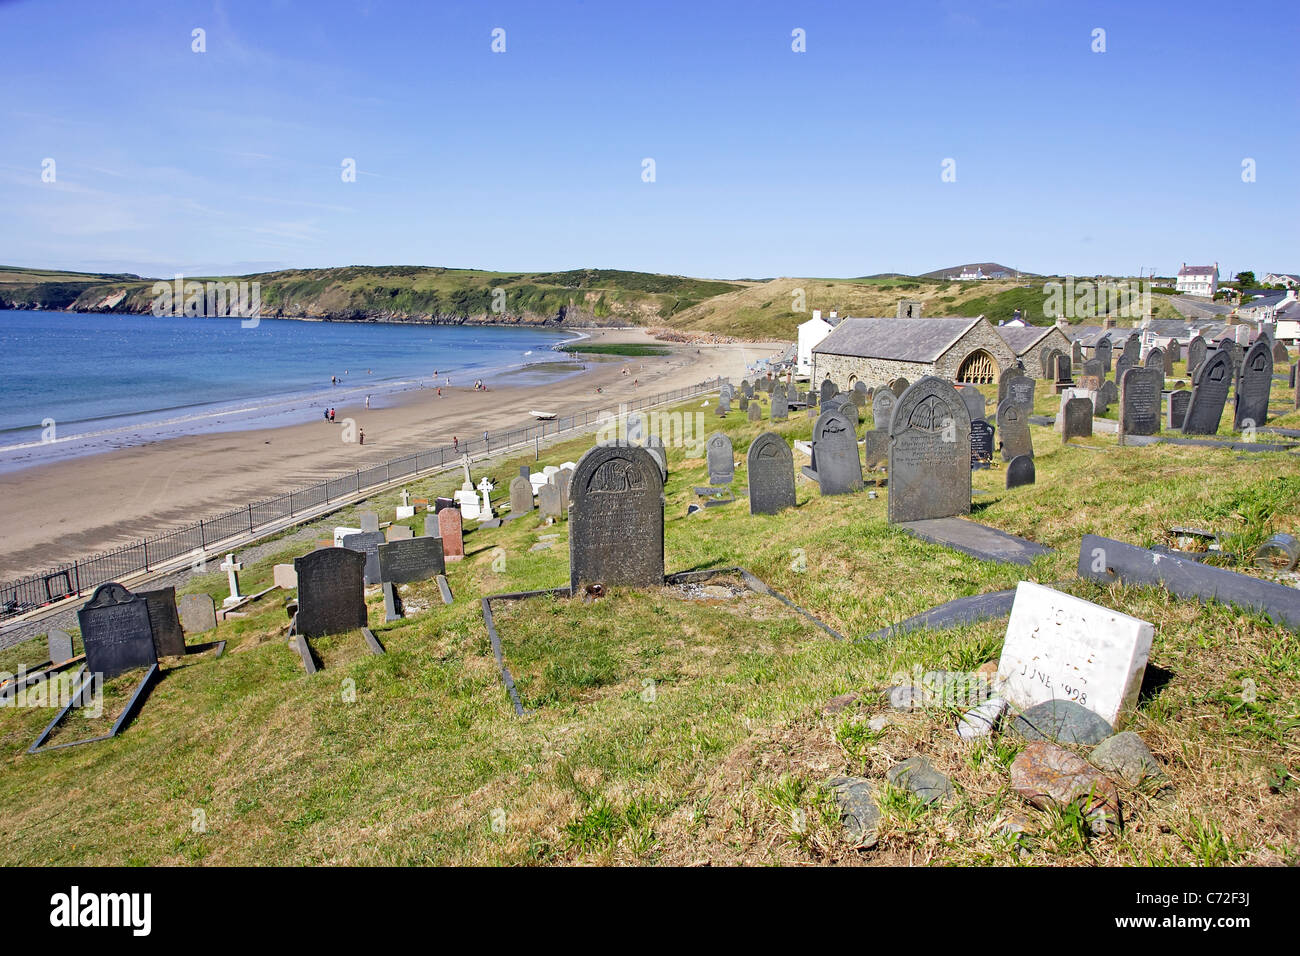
point(57, 511)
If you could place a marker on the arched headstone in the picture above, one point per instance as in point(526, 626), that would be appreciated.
point(770, 469)
point(331, 591)
point(929, 453)
point(1209, 394)
point(720, 458)
point(835, 453)
point(616, 519)
point(1254, 382)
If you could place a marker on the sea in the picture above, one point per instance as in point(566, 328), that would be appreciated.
point(72, 383)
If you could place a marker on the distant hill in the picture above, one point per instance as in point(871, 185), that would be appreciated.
point(988, 268)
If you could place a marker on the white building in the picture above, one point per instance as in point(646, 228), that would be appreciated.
point(1198, 280)
point(811, 334)
point(1283, 279)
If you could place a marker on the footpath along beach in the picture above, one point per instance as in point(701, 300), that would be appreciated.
point(65, 509)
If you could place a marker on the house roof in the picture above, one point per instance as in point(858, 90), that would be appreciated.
point(901, 340)
point(1022, 338)
point(1198, 270)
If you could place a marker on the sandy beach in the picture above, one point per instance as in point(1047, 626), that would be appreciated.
point(62, 510)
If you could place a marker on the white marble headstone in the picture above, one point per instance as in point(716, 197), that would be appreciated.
point(1061, 647)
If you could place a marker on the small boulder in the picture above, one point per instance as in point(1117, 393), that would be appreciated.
point(858, 810)
point(837, 704)
point(916, 774)
point(1126, 758)
point(982, 720)
point(1062, 721)
point(879, 723)
point(906, 698)
point(1049, 776)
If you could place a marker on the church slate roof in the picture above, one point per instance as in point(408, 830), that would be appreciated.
point(898, 340)
point(1021, 339)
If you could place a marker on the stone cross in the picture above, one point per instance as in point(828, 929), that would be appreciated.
point(406, 498)
point(232, 569)
point(486, 487)
point(464, 464)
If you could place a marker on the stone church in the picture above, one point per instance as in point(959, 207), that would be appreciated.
point(878, 350)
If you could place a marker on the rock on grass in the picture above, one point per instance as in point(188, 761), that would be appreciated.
point(1049, 776)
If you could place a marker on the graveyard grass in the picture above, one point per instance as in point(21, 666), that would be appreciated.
point(416, 756)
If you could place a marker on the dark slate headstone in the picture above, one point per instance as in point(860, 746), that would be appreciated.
point(164, 621)
point(747, 389)
point(743, 403)
point(431, 525)
point(1063, 371)
point(1280, 354)
point(780, 407)
point(439, 504)
point(115, 631)
point(1091, 375)
point(1076, 352)
point(1020, 471)
point(59, 645)
point(929, 464)
point(898, 386)
point(1122, 365)
point(1176, 409)
point(198, 613)
point(331, 590)
point(1076, 414)
point(1013, 425)
point(720, 458)
point(755, 412)
point(974, 400)
point(1196, 350)
point(521, 496)
point(1133, 349)
point(875, 447)
point(393, 610)
point(368, 542)
point(1107, 396)
point(724, 406)
point(1209, 394)
point(1155, 358)
point(1018, 388)
point(770, 470)
point(548, 500)
point(616, 519)
point(1254, 384)
point(1102, 352)
point(1292, 376)
point(1139, 401)
point(828, 388)
point(1237, 354)
point(526, 470)
point(981, 443)
point(416, 560)
point(369, 521)
point(882, 408)
point(835, 453)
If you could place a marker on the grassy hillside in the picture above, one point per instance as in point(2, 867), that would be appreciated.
point(417, 757)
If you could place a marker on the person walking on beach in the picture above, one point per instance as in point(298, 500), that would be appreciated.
point(361, 436)
point(455, 443)
point(440, 391)
point(367, 401)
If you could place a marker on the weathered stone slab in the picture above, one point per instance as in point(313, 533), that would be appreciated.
point(1016, 386)
point(1105, 560)
point(451, 534)
point(59, 645)
point(1062, 647)
point(164, 621)
point(1139, 401)
point(1021, 471)
point(1076, 418)
point(331, 591)
point(1176, 407)
point(418, 559)
point(770, 468)
point(720, 458)
point(616, 520)
point(548, 500)
point(1102, 352)
point(875, 447)
point(929, 461)
point(1254, 383)
point(1196, 350)
point(835, 454)
point(198, 612)
point(521, 496)
point(393, 610)
point(754, 412)
point(882, 408)
point(965, 610)
point(974, 399)
point(1209, 394)
point(1013, 426)
point(827, 390)
point(977, 540)
point(284, 577)
point(981, 444)
point(115, 631)
point(367, 542)
point(780, 406)
point(398, 532)
point(369, 521)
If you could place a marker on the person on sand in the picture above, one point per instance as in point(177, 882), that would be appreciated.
point(361, 436)
point(455, 443)
point(367, 401)
point(440, 391)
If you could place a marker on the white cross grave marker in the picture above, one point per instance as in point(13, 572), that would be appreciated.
point(232, 567)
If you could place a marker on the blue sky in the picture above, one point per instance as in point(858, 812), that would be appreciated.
point(767, 162)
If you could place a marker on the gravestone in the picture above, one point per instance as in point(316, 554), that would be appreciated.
point(1091, 375)
point(1196, 350)
point(860, 396)
point(755, 412)
point(1013, 425)
point(450, 532)
point(1139, 401)
point(398, 532)
point(1254, 383)
point(724, 406)
point(835, 453)
point(898, 386)
point(198, 613)
point(393, 610)
point(1171, 356)
point(1064, 373)
point(929, 465)
point(747, 389)
point(780, 407)
point(331, 590)
point(1280, 354)
point(1155, 359)
point(1234, 353)
point(1076, 418)
point(232, 569)
point(882, 408)
point(875, 447)
point(827, 390)
point(1102, 352)
point(1176, 409)
point(981, 443)
point(521, 496)
point(548, 500)
point(1209, 394)
point(974, 401)
point(1133, 350)
point(1020, 471)
point(1107, 396)
point(1122, 365)
point(115, 631)
point(164, 621)
point(770, 471)
point(284, 577)
point(616, 520)
point(720, 458)
point(418, 559)
point(743, 404)
point(1060, 647)
point(367, 543)
point(59, 645)
point(431, 525)
point(369, 521)
point(1076, 352)
point(1017, 387)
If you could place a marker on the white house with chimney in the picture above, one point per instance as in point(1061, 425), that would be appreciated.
point(1284, 279)
point(811, 334)
point(1198, 280)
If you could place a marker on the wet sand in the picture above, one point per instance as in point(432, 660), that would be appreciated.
point(62, 510)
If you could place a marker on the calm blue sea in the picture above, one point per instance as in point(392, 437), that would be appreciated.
point(107, 375)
